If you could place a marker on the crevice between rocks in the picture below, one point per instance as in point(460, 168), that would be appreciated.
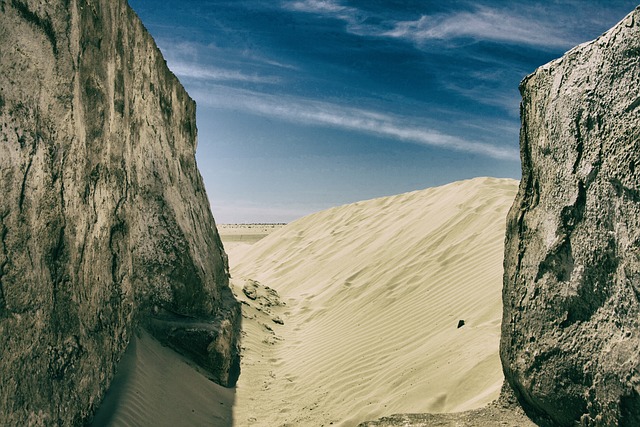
point(24, 182)
point(116, 234)
point(579, 142)
point(5, 261)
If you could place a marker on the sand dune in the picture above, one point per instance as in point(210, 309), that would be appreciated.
point(373, 294)
point(155, 386)
point(365, 324)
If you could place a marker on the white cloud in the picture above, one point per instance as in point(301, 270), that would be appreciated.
point(196, 71)
point(298, 110)
point(273, 62)
point(482, 24)
point(315, 6)
point(508, 101)
point(353, 18)
point(518, 27)
point(188, 60)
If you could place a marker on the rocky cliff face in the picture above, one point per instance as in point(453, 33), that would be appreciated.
point(571, 326)
point(104, 220)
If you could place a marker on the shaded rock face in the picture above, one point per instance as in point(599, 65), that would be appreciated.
point(571, 327)
point(104, 219)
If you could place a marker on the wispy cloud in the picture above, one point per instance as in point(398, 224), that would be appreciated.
point(272, 62)
point(354, 18)
point(486, 87)
point(316, 6)
point(298, 110)
point(196, 71)
point(482, 23)
point(195, 60)
point(507, 101)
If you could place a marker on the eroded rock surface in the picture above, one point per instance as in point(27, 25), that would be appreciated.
point(571, 326)
point(104, 219)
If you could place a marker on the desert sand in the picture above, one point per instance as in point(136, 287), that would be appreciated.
point(372, 294)
point(349, 314)
point(155, 386)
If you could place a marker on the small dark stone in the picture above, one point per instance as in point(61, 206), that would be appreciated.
point(250, 292)
point(460, 323)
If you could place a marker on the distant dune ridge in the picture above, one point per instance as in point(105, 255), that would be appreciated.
point(373, 293)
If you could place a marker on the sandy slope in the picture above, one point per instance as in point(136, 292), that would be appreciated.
point(155, 386)
point(370, 299)
point(374, 292)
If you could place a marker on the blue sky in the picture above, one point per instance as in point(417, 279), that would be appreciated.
point(308, 104)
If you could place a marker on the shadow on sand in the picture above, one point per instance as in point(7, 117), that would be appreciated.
point(156, 386)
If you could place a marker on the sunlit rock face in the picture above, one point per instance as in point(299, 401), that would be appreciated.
point(104, 220)
point(571, 327)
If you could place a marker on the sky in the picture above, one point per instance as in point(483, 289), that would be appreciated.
point(307, 104)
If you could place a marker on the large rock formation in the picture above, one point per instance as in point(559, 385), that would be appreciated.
point(104, 220)
point(571, 327)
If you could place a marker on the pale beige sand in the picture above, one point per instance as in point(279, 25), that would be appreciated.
point(373, 293)
point(155, 386)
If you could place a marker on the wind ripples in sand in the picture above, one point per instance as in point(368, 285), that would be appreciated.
point(374, 292)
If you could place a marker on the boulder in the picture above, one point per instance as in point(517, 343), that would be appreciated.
point(104, 219)
point(571, 325)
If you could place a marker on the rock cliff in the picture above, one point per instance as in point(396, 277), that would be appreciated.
point(104, 220)
point(571, 325)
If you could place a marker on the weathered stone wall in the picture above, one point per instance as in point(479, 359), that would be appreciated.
point(571, 327)
point(104, 219)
